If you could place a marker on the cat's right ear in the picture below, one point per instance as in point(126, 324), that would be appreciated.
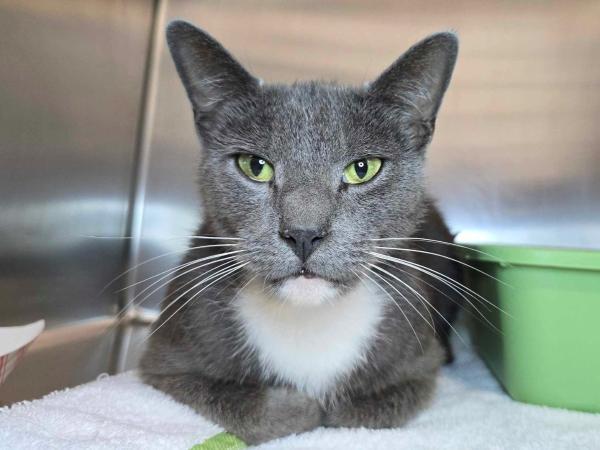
point(209, 73)
point(413, 87)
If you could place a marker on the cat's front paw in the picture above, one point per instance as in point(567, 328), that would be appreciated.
point(285, 411)
point(302, 411)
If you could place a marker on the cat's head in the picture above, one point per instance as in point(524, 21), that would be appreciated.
point(306, 174)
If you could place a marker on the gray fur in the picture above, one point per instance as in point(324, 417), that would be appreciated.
point(309, 132)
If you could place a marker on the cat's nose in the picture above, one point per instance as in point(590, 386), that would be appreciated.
point(303, 241)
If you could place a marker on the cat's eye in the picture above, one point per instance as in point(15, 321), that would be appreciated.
point(361, 171)
point(255, 167)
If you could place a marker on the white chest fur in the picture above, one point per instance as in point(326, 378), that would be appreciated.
point(310, 346)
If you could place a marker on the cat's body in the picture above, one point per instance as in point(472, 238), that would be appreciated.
point(297, 332)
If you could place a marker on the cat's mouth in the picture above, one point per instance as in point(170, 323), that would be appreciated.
point(302, 273)
point(306, 288)
point(303, 291)
point(307, 273)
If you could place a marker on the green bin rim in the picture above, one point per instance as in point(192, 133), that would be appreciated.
point(520, 255)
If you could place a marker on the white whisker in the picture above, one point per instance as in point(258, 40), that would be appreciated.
point(458, 285)
point(444, 282)
point(169, 272)
point(223, 261)
point(179, 267)
point(230, 271)
point(452, 244)
point(166, 238)
point(396, 304)
point(431, 325)
point(420, 296)
point(448, 281)
point(162, 256)
point(200, 283)
point(458, 261)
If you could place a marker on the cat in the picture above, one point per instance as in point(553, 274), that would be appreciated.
point(307, 298)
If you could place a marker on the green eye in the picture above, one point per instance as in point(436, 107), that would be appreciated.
point(362, 170)
point(255, 167)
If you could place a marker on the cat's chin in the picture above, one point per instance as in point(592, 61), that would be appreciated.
point(307, 291)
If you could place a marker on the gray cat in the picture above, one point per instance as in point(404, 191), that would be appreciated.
point(316, 301)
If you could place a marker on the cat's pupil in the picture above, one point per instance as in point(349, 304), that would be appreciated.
point(256, 165)
point(361, 167)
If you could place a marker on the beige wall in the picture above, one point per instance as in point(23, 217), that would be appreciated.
point(516, 157)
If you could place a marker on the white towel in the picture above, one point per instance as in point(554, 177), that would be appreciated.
point(470, 411)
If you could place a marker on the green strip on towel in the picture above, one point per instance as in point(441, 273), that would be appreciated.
point(221, 441)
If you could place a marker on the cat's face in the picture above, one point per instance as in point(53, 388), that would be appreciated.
point(307, 175)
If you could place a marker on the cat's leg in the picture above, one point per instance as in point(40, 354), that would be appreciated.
point(392, 407)
point(253, 413)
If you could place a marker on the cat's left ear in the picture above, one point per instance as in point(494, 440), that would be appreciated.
point(414, 85)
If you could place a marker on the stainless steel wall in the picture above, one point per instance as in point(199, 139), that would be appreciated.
point(70, 91)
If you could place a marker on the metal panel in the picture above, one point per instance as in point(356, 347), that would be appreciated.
point(70, 88)
point(70, 91)
point(171, 209)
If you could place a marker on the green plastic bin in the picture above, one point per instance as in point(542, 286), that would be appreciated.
point(546, 350)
